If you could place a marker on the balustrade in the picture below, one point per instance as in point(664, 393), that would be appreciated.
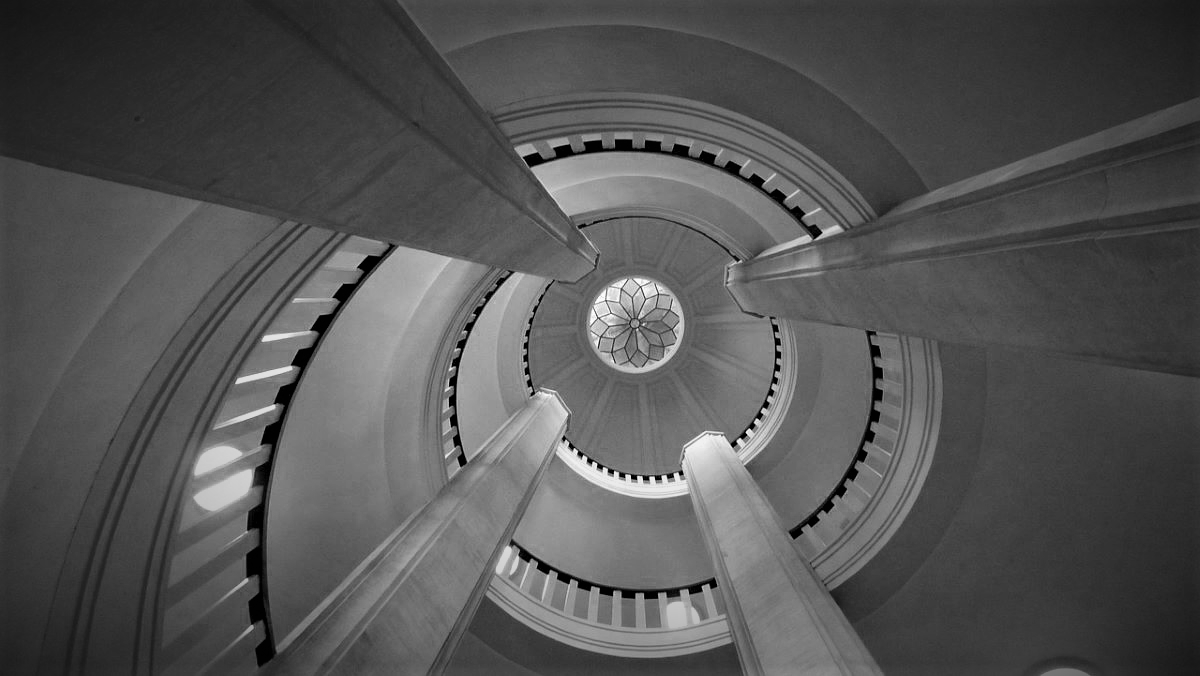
point(215, 619)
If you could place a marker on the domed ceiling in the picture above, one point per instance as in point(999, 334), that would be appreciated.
point(651, 361)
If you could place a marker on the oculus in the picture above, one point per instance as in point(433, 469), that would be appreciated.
point(635, 324)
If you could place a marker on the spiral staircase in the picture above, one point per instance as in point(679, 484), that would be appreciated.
point(839, 424)
point(320, 399)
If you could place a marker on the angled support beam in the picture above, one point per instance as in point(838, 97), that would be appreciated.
point(415, 597)
point(783, 619)
point(1090, 250)
point(339, 115)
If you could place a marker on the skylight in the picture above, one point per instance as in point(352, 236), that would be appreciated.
point(635, 324)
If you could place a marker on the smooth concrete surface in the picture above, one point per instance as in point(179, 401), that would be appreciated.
point(783, 619)
point(611, 539)
point(69, 245)
point(407, 609)
point(88, 519)
point(476, 657)
point(964, 382)
point(955, 87)
point(536, 63)
point(820, 435)
point(1058, 520)
point(356, 457)
point(330, 114)
point(491, 376)
point(1090, 250)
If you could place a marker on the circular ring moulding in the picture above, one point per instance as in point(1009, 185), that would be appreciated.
point(635, 324)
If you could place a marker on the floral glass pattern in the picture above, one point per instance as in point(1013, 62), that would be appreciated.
point(635, 323)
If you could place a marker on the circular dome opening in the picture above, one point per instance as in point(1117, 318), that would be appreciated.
point(635, 324)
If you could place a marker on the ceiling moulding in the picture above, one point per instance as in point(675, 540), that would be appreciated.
point(764, 156)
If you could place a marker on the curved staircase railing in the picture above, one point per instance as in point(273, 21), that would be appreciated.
point(605, 619)
point(216, 618)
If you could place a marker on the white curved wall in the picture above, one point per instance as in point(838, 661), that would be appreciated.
point(491, 379)
point(958, 88)
point(528, 65)
point(70, 243)
point(353, 462)
point(98, 280)
point(612, 539)
point(823, 430)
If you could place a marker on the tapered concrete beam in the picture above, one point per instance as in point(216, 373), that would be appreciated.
point(1090, 250)
point(783, 619)
point(337, 114)
point(413, 600)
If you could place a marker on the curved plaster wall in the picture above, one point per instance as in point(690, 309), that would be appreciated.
point(539, 63)
point(612, 539)
point(491, 378)
point(108, 279)
point(353, 462)
point(824, 426)
point(82, 240)
point(1035, 68)
point(1049, 525)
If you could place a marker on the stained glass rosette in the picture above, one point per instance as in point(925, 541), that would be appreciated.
point(635, 324)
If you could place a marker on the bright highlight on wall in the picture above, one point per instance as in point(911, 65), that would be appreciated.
point(227, 491)
point(507, 564)
point(680, 615)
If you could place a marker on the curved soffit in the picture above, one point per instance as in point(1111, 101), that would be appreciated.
point(526, 66)
point(336, 486)
point(958, 89)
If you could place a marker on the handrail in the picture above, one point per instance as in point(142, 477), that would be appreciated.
point(602, 618)
point(874, 429)
point(217, 551)
point(867, 506)
point(453, 452)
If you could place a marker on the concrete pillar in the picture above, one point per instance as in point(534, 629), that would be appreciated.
point(1089, 250)
point(416, 596)
point(334, 114)
point(783, 619)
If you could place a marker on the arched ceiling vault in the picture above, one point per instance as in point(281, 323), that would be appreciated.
point(954, 88)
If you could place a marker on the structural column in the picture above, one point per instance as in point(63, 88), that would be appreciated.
point(412, 601)
point(1089, 250)
point(783, 619)
point(333, 114)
